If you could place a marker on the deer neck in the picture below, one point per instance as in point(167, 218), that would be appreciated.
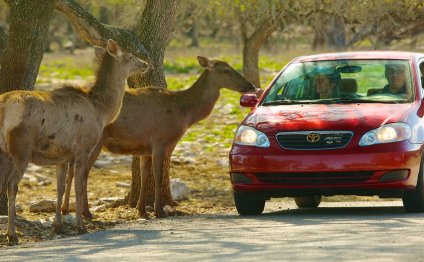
point(201, 97)
point(108, 90)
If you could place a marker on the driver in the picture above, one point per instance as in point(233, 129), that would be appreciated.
point(327, 85)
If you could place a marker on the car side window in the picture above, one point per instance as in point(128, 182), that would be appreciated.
point(298, 88)
point(422, 74)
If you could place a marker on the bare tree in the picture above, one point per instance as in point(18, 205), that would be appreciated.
point(343, 24)
point(257, 21)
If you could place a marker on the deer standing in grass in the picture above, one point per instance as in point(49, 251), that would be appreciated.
point(153, 120)
point(61, 127)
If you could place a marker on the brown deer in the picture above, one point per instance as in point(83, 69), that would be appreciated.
point(153, 120)
point(60, 127)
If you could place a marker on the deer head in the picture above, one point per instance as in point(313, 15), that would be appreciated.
point(226, 76)
point(132, 65)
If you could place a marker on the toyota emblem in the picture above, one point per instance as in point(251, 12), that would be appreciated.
point(313, 137)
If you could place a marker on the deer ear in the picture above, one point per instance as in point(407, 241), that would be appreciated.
point(205, 62)
point(99, 52)
point(113, 48)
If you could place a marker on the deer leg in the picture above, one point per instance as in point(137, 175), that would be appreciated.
point(61, 180)
point(12, 189)
point(69, 178)
point(85, 209)
point(20, 151)
point(158, 160)
point(146, 167)
point(93, 157)
point(80, 167)
point(11, 196)
point(168, 203)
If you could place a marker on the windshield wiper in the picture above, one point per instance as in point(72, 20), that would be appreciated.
point(348, 100)
point(342, 100)
point(287, 102)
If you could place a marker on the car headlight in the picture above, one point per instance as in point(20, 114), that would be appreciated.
point(249, 136)
point(386, 134)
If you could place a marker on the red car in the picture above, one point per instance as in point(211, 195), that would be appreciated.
point(334, 124)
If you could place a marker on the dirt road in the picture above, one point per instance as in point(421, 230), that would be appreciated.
point(349, 231)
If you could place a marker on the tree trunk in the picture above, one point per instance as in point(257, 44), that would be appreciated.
point(135, 182)
point(104, 15)
point(251, 63)
point(154, 30)
point(3, 201)
point(3, 195)
point(29, 22)
point(318, 41)
point(252, 44)
point(6, 168)
point(335, 35)
point(194, 34)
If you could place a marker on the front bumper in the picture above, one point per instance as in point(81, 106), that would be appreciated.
point(389, 168)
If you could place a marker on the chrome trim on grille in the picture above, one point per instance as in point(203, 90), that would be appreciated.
point(305, 133)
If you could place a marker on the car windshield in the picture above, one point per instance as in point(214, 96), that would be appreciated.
point(343, 81)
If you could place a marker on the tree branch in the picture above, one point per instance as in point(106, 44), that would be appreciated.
point(3, 41)
point(264, 30)
point(97, 33)
point(243, 26)
point(9, 2)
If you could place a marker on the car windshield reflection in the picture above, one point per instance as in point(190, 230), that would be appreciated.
point(342, 81)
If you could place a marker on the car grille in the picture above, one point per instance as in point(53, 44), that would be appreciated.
point(315, 178)
point(314, 140)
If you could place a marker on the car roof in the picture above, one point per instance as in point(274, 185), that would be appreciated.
point(384, 55)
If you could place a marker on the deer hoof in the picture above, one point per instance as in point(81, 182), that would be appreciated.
point(12, 239)
point(82, 230)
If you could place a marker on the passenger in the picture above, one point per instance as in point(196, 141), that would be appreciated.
point(396, 78)
point(327, 85)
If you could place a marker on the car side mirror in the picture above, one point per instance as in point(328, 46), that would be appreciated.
point(248, 100)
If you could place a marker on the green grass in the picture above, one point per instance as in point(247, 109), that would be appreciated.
point(65, 69)
point(182, 66)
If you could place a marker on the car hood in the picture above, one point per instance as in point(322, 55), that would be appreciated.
point(349, 117)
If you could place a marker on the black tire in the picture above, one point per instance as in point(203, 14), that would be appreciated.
point(413, 200)
point(308, 201)
point(248, 206)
